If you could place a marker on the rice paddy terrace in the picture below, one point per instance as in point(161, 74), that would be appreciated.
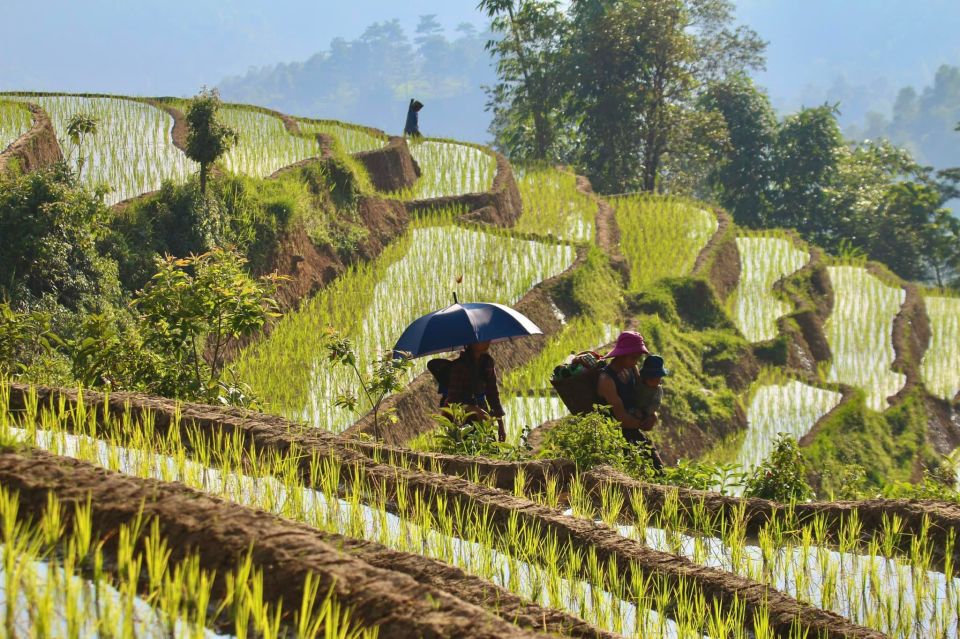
point(132, 516)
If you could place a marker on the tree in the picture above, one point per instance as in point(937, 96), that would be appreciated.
point(197, 305)
point(526, 65)
point(79, 127)
point(207, 137)
point(743, 179)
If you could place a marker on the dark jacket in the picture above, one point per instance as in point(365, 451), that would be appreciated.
point(474, 382)
point(412, 127)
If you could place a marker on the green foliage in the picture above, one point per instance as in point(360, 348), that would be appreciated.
point(594, 440)
point(79, 127)
point(687, 300)
point(388, 375)
point(782, 477)
point(195, 306)
point(207, 137)
point(48, 232)
point(594, 288)
point(460, 433)
point(25, 338)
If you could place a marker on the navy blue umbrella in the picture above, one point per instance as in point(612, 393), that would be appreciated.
point(460, 324)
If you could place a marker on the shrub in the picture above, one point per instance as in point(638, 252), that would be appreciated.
point(594, 440)
point(782, 477)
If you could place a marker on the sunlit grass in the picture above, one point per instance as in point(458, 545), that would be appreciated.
point(763, 261)
point(860, 333)
point(553, 205)
point(374, 302)
point(661, 236)
point(132, 151)
point(941, 362)
point(15, 120)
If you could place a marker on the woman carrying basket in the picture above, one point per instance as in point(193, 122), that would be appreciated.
point(634, 395)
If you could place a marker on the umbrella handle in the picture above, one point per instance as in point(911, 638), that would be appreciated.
point(455, 301)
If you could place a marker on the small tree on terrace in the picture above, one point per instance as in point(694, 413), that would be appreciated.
point(207, 137)
point(79, 127)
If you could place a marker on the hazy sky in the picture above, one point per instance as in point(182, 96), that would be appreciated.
point(174, 46)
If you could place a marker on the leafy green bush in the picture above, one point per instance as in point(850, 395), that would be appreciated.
point(782, 477)
point(595, 439)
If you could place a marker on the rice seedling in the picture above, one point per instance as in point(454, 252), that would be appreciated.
point(859, 331)
point(264, 144)
point(553, 205)
point(523, 559)
point(449, 168)
point(374, 302)
point(780, 406)
point(941, 362)
point(529, 411)
point(57, 584)
point(661, 236)
point(15, 120)
point(132, 151)
point(353, 139)
point(763, 261)
point(854, 572)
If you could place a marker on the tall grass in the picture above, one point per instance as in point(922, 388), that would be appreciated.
point(373, 302)
point(132, 151)
point(941, 362)
point(15, 120)
point(860, 333)
point(552, 205)
point(661, 236)
point(763, 261)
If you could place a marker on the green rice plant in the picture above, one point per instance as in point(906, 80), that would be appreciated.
point(763, 261)
point(785, 406)
point(553, 205)
point(132, 151)
point(526, 412)
point(941, 361)
point(265, 145)
point(860, 333)
point(661, 236)
point(373, 302)
point(522, 558)
point(55, 584)
point(15, 120)
point(353, 139)
point(449, 168)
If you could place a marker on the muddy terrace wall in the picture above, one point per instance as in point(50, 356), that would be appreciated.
point(36, 148)
point(392, 167)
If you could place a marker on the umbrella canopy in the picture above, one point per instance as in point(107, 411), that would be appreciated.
point(460, 324)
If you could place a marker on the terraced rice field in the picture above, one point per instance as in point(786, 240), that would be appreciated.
point(790, 407)
point(660, 236)
point(15, 120)
point(264, 145)
point(941, 362)
point(372, 305)
point(449, 168)
point(132, 151)
point(352, 139)
point(553, 205)
point(763, 261)
point(860, 333)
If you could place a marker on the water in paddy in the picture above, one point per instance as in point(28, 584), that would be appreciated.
point(15, 120)
point(941, 362)
point(763, 261)
point(530, 411)
point(792, 408)
point(450, 168)
point(132, 151)
point(860, 333)
point(374, 303)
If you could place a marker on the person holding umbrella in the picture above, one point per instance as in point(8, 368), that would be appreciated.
point(473, 383)
point(469, 327)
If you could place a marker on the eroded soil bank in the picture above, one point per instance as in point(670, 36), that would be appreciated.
point(36, 148)
point(222, 533)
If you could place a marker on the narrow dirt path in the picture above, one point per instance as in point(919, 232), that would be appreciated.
point(401, 605)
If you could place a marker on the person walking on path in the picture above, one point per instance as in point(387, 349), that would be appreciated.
point(412, 127)
point(473, 383)
point(634, 394)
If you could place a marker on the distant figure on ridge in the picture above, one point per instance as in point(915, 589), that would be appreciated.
point(412, 127)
